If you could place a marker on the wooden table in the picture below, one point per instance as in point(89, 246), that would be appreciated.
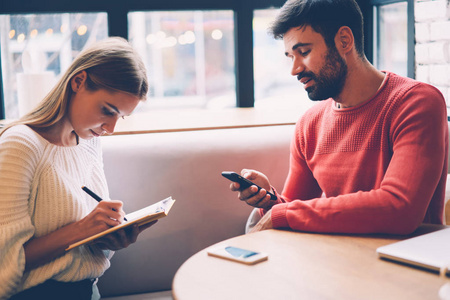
point(306, 266)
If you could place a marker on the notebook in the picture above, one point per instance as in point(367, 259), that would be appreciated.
point(430, 251)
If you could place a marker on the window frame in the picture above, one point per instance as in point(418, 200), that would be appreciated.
point(117, 12)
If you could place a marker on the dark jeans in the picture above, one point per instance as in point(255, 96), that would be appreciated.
point(53, 290)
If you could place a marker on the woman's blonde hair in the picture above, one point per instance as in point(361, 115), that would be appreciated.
point(110, 64)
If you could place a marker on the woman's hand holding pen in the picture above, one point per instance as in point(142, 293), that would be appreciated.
point(107, 213)
point(121, 238)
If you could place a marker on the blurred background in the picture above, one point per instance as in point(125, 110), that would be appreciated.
point(205, 55)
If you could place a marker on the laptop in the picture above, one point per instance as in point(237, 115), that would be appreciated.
point(430, 251)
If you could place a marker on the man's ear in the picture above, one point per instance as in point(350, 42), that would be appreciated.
point(78, 80)
point(344, 40)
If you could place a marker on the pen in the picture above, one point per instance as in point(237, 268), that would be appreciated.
point(95, 196)
point(91, 193)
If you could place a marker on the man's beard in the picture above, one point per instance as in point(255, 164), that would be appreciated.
point(331, 79)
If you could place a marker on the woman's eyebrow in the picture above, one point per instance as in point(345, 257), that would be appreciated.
point(113, 107)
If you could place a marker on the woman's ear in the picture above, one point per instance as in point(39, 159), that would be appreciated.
point(78, 80)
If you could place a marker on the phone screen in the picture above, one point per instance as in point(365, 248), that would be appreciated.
point(238, 252)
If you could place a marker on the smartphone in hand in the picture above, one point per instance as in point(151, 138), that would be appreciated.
point(244, 182)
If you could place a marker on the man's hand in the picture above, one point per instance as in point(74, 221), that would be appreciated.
point(252, 196)
point(264, 223)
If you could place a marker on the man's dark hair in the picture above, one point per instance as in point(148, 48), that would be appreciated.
point(324, 16)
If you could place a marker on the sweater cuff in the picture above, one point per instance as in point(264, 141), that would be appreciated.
point(279, 219)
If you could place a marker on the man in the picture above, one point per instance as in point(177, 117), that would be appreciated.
point(372, 156)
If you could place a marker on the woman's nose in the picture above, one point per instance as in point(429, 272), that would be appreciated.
point(109, 126)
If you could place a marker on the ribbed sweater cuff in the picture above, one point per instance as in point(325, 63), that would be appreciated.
point(278, 208)
point(279, 219)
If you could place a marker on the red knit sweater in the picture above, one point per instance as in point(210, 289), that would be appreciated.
point(377, 167)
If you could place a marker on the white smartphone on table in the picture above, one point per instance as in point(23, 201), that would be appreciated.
point(237, 254)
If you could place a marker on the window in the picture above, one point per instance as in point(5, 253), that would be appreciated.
point(189, 57)
point(392, 41)
point(269, 59)
point(36, 48)
point(199, 53)
point(394, 36)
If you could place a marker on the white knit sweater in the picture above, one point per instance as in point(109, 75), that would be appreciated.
point(40, 191)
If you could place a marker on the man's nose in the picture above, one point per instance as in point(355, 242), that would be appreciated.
point(297, 66)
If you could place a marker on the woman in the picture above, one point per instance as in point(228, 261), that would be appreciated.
point(45, 159)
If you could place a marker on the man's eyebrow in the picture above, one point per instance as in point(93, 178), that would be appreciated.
point(297, 46)
point(113, 107)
